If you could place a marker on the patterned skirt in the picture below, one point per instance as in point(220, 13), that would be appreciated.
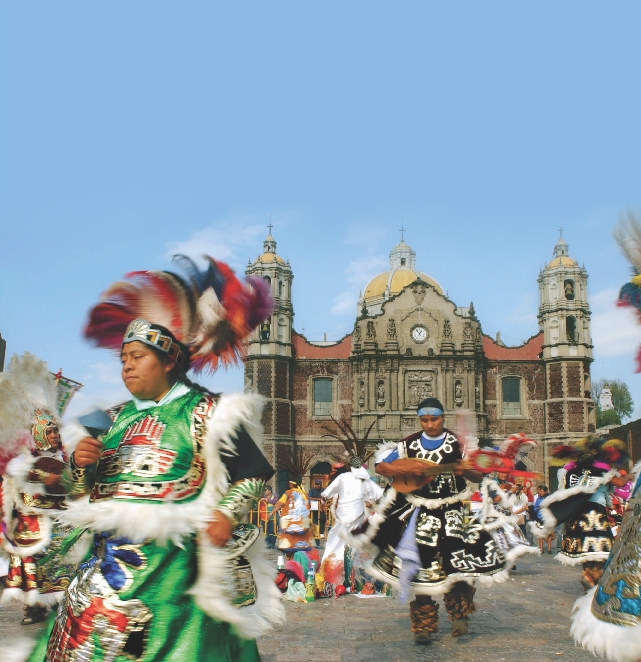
point(588, 536)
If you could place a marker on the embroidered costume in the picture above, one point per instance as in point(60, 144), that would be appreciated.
point(153, 587)
point(30, 448)
point(294, 529)
point(581, 504)
point(424, 542)
point(607, 621)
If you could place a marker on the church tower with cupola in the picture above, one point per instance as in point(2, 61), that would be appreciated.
point(269, 356)
point(564, 319)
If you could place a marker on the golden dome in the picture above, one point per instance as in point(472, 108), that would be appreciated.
point(267, 258)
point(562, 261)
point(394, 281)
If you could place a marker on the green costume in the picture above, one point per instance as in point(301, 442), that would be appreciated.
point(152, 587)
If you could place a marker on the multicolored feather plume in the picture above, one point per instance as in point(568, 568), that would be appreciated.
point(210, 311)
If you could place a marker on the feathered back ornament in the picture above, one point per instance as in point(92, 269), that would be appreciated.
point(293, 460)
point(26, 388)
point(355, 448)
point(612, 452)
point(627, 234)
point(209, 312)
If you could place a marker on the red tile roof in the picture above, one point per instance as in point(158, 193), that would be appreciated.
point(304, 350)
point(529, 351)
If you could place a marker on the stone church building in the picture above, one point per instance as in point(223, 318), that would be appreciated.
point(410, 342)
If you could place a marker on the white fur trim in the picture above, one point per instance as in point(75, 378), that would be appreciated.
point(363, 541)
point(248, 622)
point(432, 504)
point(31, 598)
point(616, 643)
point(235, 410)
point(17, 649)
point(564, 559)
point(549, 521)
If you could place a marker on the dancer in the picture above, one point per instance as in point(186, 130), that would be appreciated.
point(174, 574)
point(588, 476)
point(420, 537)
point(607, 621)
point(33, 460)
point(295, 524)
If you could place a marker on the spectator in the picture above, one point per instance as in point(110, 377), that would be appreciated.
point(541, 493)
point(519, 506)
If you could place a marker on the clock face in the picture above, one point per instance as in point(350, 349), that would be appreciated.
point(419, 334)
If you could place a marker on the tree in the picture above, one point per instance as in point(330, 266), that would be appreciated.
point(607, 417)
point(621, 400)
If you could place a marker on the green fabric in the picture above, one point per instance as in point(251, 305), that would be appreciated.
point(158, 577)
point(170, 434)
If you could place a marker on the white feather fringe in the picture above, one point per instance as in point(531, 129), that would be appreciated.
point(31, 598)
point(616, 643)
point(588, 557)
point(214, 568)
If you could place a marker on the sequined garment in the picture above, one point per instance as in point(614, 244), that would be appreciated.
point(133, 599)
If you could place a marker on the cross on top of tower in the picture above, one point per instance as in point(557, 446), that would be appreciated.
point(270, 226)
point(402, 231)
point(561, 232)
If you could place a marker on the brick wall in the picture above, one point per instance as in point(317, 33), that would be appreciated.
point(555, 416)
point(576, 416)
point(266, 419)
point(281, 380)
point(264, 380)
point(283, 418)
point(556, 380)
point(573, 380)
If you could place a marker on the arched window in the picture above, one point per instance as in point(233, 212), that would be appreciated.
point(280, 288)
point(322, 397)
point(570, 327)
point(511, 388)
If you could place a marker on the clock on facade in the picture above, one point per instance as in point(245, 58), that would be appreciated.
point(419, 334)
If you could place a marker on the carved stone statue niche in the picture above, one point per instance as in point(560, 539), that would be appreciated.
point(361, 393)
point(467, 331)
point(391, 330)
point(357, 334)
point(458, 393)
point(447, 330)
point(380, 392)
point(568, 287)
point(371, 331)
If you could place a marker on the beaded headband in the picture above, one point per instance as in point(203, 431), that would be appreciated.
point(149, 334)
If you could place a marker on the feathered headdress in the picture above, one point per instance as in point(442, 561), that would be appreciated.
point(27, 406)
point(613, 452)
point(293, 460)
point(209, 313)
point(355, 448)
point(516, 447)
point(627, 234)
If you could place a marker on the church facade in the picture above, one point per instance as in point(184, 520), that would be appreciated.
point(410, 342)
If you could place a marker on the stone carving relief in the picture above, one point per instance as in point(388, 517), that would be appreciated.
point(357, 334)
point(467, 331)
point(380, 392)
point(409, 423)
point(371, 331)
point(458, 393)
point(419, 290)
point(447, 330)
point(477, 335)
point(391, 330)
point(361, 393)
point(419, 384)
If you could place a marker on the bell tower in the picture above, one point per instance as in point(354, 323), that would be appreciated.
point(268, 365)
point(564, 318)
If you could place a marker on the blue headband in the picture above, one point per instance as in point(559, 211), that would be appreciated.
point(430, 411)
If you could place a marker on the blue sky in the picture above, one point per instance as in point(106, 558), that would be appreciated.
point(130, 130)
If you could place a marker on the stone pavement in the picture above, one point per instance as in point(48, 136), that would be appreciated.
point(524, 619)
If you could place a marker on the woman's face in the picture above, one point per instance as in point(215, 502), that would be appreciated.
point(144, 372)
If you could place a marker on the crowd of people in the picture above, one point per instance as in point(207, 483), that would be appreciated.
point(130, 531)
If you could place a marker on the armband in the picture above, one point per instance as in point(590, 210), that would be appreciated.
point(76, 480)
point(241, 498)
